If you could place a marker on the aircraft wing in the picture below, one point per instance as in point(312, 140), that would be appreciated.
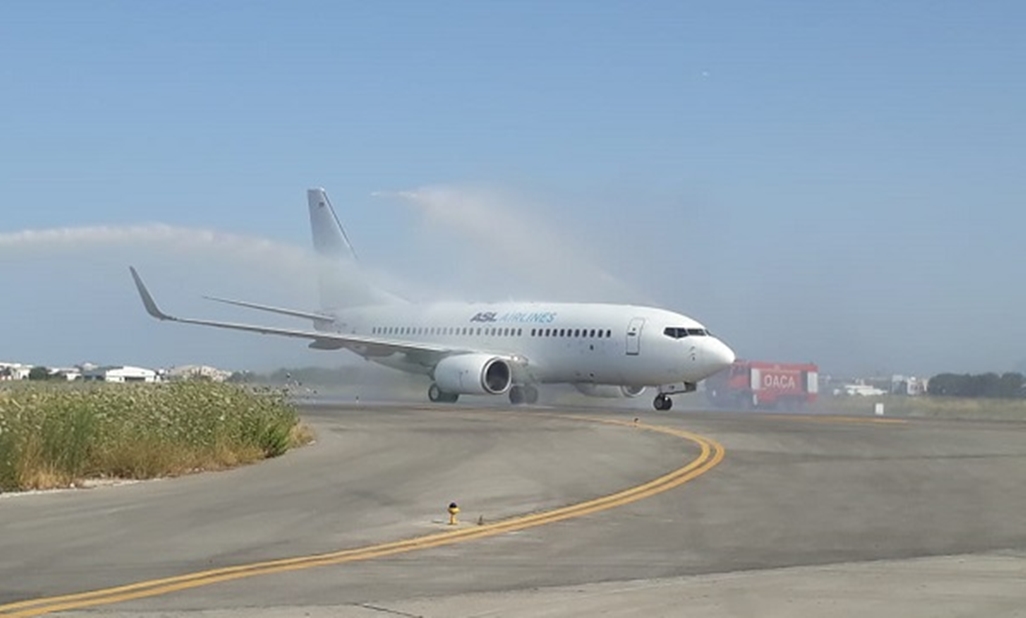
point(295, 313)
point(426, 353)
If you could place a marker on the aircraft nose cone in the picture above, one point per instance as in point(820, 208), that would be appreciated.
point(718, 354)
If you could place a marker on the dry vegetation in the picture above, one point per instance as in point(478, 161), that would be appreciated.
point(57, 435)
point(929, 407)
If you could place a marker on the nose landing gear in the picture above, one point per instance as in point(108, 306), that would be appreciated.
point(662, 402)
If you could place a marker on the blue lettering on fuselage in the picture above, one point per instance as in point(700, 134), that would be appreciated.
point(520, 317)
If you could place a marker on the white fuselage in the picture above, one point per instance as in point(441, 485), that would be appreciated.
point(562, 342)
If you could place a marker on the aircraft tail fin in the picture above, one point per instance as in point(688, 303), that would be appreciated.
point(341, 283)
point(329, 237)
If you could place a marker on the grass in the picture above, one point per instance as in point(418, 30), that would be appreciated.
point(929, 407)
point(56, 435)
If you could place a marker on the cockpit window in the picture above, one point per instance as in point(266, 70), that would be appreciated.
point(679, 332)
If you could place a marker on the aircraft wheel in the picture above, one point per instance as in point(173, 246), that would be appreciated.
point(516, 395)
point(662, 402)
point(436, 395)
point(530, 394)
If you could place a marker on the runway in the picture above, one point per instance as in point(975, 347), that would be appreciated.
point(842, 511)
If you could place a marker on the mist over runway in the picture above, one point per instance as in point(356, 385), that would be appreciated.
point(889, 504)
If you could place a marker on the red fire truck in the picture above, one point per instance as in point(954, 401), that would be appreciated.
point(758, 384)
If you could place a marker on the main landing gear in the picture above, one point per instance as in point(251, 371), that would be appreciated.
point(517, 395)
point(523, 394)
point(662, 402)
point(436, 395)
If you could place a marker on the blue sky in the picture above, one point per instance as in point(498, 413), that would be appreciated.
point(815, 181)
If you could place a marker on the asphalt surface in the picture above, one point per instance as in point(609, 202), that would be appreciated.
point(818, 515)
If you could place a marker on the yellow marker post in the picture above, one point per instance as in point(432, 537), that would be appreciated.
point(453, 511)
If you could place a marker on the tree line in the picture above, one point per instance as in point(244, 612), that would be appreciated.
point(988, 385)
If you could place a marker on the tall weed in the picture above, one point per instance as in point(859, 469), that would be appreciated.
point(54, 435)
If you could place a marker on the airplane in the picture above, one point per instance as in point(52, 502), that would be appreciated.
point(510, 348)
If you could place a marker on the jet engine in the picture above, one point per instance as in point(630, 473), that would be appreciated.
point(609, 391)
point(474, 374)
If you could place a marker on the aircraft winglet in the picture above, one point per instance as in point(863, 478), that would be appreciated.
point(147, 298)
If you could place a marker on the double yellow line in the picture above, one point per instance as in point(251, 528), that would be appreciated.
point(711, 453)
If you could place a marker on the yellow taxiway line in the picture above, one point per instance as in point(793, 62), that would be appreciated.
point(711, 453)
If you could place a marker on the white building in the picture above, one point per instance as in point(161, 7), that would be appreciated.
point(909, 385)
point(860, 389)
point(124, 373)
point(14, 371)
point(68, 373)
point(185, 372)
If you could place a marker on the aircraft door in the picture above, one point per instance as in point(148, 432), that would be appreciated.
point(634, 336)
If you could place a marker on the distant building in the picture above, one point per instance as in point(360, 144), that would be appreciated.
point(124, 373)
point(909, 385)
point(203, 372)
point(68, 373)
point(14, 371)
point(859, 388)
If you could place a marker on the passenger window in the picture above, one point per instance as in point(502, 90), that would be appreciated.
point(609, 332)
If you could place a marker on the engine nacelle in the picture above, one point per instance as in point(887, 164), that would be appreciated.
point(474, 374)
point(609, 391)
